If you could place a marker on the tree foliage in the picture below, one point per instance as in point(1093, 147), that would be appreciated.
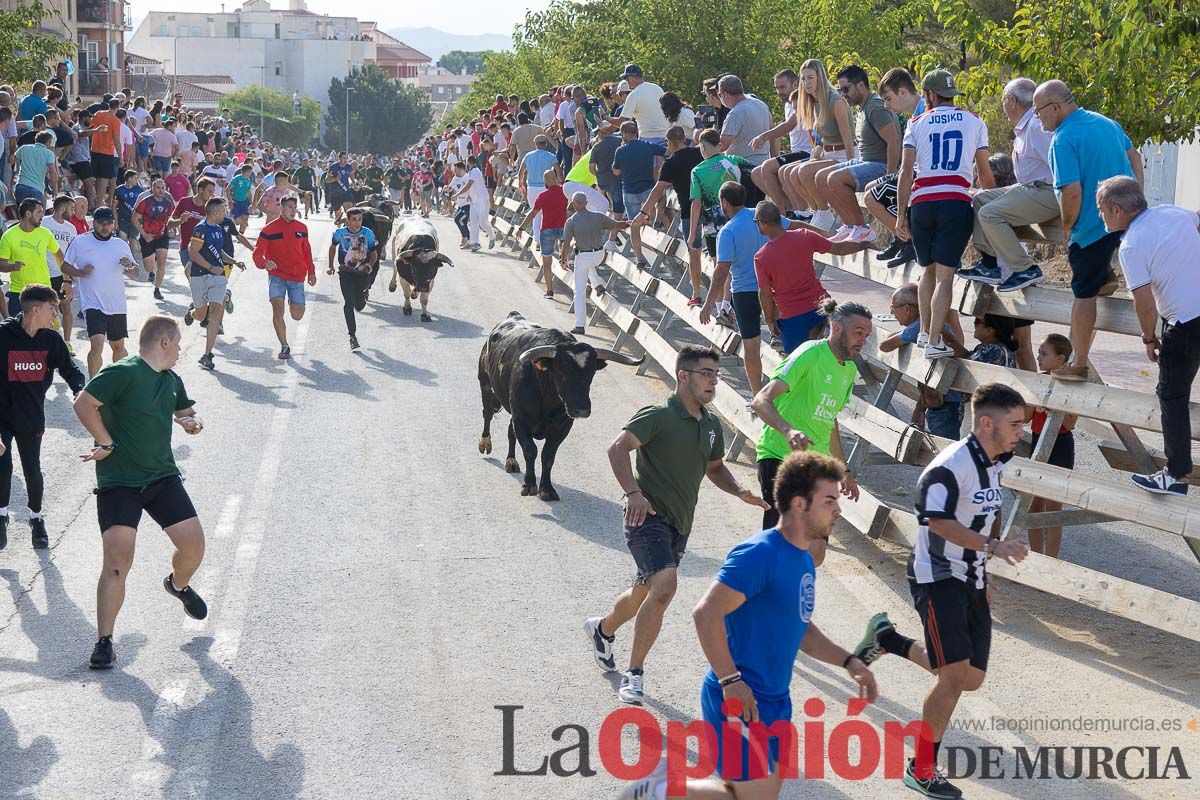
point(281, 126)
point(26, 55)
point(386, 116)
point(1135, 60)
point(458, 60)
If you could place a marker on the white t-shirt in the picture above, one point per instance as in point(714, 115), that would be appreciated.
point(186, 139)
point(218, 174)
point(642, 105)
point(946, 139)
point(104, 289)
point(1160, 249)
point(799, 139)
point(457, 183)
point(566, 113)
point(126, 136)
point(140, 115)
point(479, 192)
point(64, 233)
point(546, 115)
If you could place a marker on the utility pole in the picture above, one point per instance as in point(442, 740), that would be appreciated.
point(348, 92)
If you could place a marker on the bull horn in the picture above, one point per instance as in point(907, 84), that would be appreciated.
point(604, 354)
point(444, 260)
point(407, 255)
point(542, 351)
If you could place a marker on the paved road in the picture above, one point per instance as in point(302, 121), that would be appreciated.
point(377, 587)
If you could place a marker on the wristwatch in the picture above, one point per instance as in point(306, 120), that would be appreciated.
point(106, 446)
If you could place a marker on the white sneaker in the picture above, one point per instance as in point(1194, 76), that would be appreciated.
point(601, 645)
point(922, 339)
point(935, 351)
point(822, 219)
point(631, 691)
point(843, 233)
point(612, 246)
point(652, 787)
point(861, 233)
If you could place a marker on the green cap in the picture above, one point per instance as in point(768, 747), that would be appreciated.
point(940, 82)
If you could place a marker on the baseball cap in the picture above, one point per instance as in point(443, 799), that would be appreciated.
point(940, 82)
point(578, 197)
point(632, 70)
point(103, 214)
point(623, 88)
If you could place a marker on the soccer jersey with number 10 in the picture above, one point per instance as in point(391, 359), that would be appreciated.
point(946, 139)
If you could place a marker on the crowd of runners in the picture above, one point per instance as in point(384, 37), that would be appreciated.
point(92, 208)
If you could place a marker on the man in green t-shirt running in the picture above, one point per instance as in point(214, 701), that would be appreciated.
point(800, 404)
point(129, 408)
point(305, 179)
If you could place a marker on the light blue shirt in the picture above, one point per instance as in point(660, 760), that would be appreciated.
point(1088, 148)
point(737, 243)
point(536, 162)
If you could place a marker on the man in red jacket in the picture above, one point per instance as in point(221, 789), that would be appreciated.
point(283, 250)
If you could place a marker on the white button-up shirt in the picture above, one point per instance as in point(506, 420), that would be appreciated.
point(1031, 151)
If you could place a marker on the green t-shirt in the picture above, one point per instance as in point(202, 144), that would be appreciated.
point(373, 178)
point(239, 189)
point(818, 387)
point(139, 405)
point(305, 178)
point(709, 174)
point(676, 450)
point(30, 249)
point(33, 161)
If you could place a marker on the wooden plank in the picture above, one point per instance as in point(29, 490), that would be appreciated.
point(902, 442)
point(1045, 304)
point(1121, 459)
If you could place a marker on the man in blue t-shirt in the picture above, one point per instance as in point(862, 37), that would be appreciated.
point(531, 174)
point(206, 275)
point(127, 195)
point(752, 623)
point(354, 248)
point(339, 191)
point(633, 163)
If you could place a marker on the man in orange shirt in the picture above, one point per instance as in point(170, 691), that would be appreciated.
point(284, 251)
point(104, 152)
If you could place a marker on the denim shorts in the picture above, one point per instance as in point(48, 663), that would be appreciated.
point(550, 238)
point(863, 171)
point(634, 201)
point(21, 191)
point(278, 287)
point(613, 190)
point(946, 420)
point(656, 545)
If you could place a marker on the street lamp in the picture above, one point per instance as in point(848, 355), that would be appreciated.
point(349, 91)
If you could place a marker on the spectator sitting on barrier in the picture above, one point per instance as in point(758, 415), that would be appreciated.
point(633, 163)
point(825, 112)
point(676, 173)
point(1004, 174)
point(748, 119)
point(1087, 148)
point(788, 288)
point(900, 95)
point(1053, 352)
point(944, 413)
point(878, 138)
point(1158, 256)
point(1004, 262)
point(766, 175)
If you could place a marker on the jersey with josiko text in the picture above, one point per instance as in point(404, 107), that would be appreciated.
point(946, 139)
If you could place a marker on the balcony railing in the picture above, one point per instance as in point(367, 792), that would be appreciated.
point(105, 12)
point(94, 81)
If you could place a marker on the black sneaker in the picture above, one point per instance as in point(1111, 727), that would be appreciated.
point(353, 342)
point(906, 254)
point(193, 605)
point(891, 251)
point(158, 294)
point(206, 362)
point(188, 316)
point(3, 531)
point(934, 786)
point(102, 654)
point(285, 352)
point(204, 322)
point(41, 540)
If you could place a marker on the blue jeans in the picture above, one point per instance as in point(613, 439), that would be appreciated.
point(549, 240)
point(633, 201)
point(278, 287)
point(945, 421)
point(461, 215)
point(162, 164)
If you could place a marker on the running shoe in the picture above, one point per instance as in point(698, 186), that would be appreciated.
point(577, 330)
point(600, 290)
point(842, 234)
point(1019, 280)
point(3, 531)
point(158, 294)
point(935, 785)
point(643, 264)
point(601, 645)
point(285, 352)
point(1160, 482)
point(193, 605)
point(651, 787)
point(861, 233)
point(869, 649)
point(906, 254)
point(491, 244)
point(206, 362)
point(474, 248)
point(549, 295)
point(228, 302)
point(353, 342)
point(891, 251)
point(631, 691)
point(612, 246)
point(189, 316)
point(102, 654)
point(922, 339)
point(981, 273)
point(935, 351)
point(41, 540)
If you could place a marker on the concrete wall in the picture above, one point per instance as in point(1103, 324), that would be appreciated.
point(1187, 176)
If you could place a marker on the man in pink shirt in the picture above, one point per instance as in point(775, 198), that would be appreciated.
point(166, 146)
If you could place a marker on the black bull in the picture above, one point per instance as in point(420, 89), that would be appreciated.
point(416, 262)
point(542, 377)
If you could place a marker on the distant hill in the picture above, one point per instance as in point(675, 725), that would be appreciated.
point(434, 43)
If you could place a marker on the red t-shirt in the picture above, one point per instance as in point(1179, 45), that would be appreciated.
point(81, 225)
point(552, 203)
point(1038, 422)
point(191, 214)
point(179, 186)
point(499, 108)
point(785, 266)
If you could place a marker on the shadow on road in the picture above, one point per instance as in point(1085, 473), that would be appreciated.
point(320, 377)
point(24, 767)
point(380, 361)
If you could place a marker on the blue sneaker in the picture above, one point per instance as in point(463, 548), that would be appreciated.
point(1160, 482)
point(1020, 280)
point(982, 274)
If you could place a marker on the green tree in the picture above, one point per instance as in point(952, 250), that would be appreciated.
point(385, 115)
point(26, 55)
point(281, 125)
point(458, 60)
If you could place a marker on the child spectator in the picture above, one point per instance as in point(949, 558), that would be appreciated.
point(1052, 353)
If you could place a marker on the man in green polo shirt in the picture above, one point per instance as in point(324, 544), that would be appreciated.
point(800, 404)
point(678, 443)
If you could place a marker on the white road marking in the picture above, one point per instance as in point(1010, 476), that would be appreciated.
point(233, 505)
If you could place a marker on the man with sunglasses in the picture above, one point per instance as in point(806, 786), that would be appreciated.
point(678, 442)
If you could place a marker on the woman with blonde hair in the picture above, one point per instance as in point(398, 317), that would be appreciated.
point(826, 115)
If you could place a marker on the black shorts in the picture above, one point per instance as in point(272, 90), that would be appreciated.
point(148, 248)
point(655, 545)
point(767, 469)
point(82, 170)
point(1063, 452)
point(940, 230)
point(710, 244)
point(489, 182)
point(1090, 265)
point(165, 500)
point(957, 621)
point(104, 166)
point(114, 327)
point(748, 313)
point(792, 158)
point(56, 283)
point(885, 191)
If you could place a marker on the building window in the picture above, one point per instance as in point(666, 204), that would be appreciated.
point(232, 30)
point(278, 70)
point(276, 30)
point(163, 30)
